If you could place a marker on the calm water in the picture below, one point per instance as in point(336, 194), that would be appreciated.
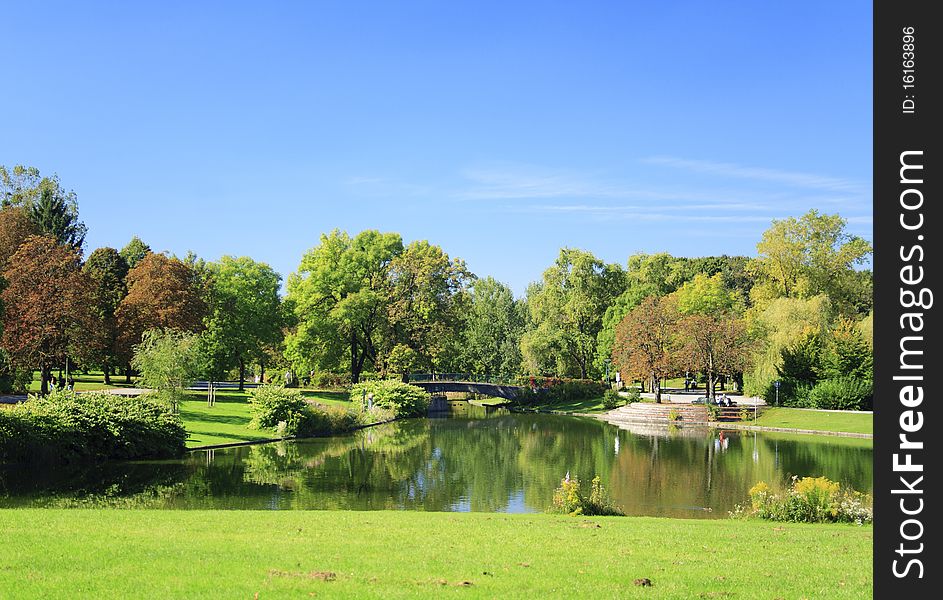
point(471, 461)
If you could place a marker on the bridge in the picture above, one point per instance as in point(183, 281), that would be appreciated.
point(465, 382)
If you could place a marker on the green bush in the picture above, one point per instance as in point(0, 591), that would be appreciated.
point(632, 395)
point(569, 499)
point(611, 399)
point(402, 399)
point(842, 393)
point(272, 404)
point(65, 426)
point(552, 389)
point(809, 500)
point(331, 381)
point(287, 412)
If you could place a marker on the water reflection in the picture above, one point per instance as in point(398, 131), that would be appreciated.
point(476, 460)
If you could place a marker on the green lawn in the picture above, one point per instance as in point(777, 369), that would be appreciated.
point(589, 405)
point(85, 382)
point(297, 554)
point(817, 420)
point(228, 420)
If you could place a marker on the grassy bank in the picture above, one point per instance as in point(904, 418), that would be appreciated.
point(240, 554)
point(228, 420)
point(588, 405)
point(795, 418)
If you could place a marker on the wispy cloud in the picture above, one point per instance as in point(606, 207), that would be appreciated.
point(790, 178)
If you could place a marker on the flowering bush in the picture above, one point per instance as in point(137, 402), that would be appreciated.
point(569, 499)
point(809, 500)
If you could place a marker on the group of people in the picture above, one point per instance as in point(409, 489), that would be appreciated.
point(723, 400)
point(61, 383)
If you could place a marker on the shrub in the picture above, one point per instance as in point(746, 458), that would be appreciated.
point(842, 393)
point(272, 404)
point(331, 381)
point(402, 399)
point(553, 389)
point(611, 399)
point(290, 415)
point(809, 500)
point(569, 499)
point(65, 426)
point(713, 412)
point(632, 395)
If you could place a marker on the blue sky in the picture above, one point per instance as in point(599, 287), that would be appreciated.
point(499, 132)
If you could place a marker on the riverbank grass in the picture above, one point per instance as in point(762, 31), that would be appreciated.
point(587, 405)
point(227, 422)
point(794, 418)
point(278, 554)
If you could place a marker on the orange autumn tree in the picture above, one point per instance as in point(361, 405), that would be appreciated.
point(48, 307)
point(163, 293)
point(15, 227)
point(646, 342)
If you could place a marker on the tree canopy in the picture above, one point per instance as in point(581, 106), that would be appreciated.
point(48, 306)
point(566, 313)
point(245, 315)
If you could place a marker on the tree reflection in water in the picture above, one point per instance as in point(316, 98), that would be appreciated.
point(495, 461)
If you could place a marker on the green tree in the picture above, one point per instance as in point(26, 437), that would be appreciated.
point(107, 270)
point(245, 314)
point(168, 362)
point(811, 255)
point(566, 313)
point(135, 251)
point(492, 330)
point(776, 326)
point(56, 214)
point(427, 300)
point(340, 296)
point(707, 296)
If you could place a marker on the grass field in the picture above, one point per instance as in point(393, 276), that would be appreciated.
point(588, 405)
point(248, 554)
point(228, 420)
point(85, 382)
point(795, 418)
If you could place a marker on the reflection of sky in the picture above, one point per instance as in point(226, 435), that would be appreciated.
point(516, 503)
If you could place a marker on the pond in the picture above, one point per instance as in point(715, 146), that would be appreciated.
point(474, 460)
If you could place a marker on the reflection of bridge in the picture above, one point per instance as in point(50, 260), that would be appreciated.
point(464, 382)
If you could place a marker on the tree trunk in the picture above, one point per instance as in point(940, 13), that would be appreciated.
point(657, 389)
point(261, 371)
point(354, 367)
point(242, 375)
point(127, 374)
point(106, 369)
point(44, 375)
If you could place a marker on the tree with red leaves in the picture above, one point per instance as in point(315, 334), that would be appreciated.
point(646, 342)
point(48, 307)
point(163, 293)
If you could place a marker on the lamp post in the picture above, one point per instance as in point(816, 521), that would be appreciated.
point(607, 372)
point(776, 385)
